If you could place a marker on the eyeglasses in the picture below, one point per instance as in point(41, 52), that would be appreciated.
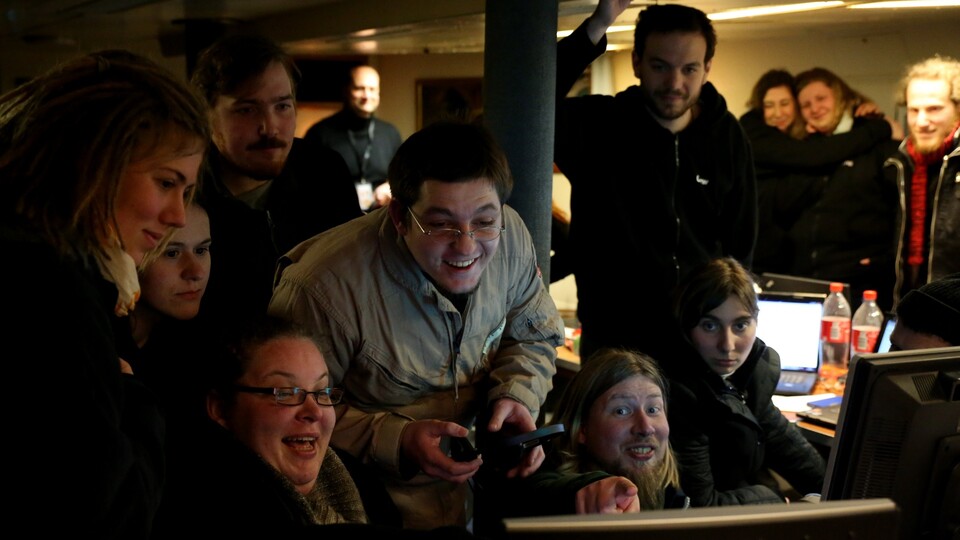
point(445, 236)
point(296, 396)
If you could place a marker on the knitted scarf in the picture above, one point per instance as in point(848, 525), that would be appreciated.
point(918, 195)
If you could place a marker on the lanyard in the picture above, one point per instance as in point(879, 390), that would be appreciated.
point(365, 156)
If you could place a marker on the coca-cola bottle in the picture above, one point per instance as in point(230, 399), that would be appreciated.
point(834, 339)
point(867, 322)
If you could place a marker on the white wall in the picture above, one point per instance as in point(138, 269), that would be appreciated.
point(872, 64)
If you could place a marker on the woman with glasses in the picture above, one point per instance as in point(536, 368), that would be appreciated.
point(98, 157)
point(265, 465)
point(276, 399)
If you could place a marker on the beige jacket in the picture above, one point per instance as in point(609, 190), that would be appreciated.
point(391, 340)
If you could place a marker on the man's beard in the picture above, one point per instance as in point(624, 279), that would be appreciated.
point(929, 146)
point(656, 106)
point(650, 488)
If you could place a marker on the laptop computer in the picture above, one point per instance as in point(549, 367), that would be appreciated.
point(786, 284)
point(883, 344)
point(791, 325)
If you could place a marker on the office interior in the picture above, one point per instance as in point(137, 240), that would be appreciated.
point(412, 41)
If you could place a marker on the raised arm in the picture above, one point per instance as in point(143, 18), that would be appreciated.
point(576, 51)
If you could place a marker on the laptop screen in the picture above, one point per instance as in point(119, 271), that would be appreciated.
point(884, 345)
point(791, 326)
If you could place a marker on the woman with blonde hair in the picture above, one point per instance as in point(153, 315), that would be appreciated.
point(97, 158)
point(844, 230)
point(789, 164)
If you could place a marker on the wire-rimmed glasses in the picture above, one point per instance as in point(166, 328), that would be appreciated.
point(444, 236)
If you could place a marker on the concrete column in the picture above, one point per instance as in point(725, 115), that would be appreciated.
point(519, 96)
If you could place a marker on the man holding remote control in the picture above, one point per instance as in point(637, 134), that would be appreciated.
point(430, 312)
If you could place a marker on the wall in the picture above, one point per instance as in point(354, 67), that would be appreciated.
point(873, 64)
point(870, 63)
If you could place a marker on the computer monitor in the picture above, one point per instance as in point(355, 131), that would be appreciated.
point(773, 283)
point(898, 437)
point(875, 519)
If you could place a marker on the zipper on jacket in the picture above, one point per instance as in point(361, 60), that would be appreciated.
point(902, 196)
point(673, 203)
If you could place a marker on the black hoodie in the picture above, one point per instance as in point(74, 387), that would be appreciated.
point(647, 205)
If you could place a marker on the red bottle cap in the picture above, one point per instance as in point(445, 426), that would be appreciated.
point(869, 295)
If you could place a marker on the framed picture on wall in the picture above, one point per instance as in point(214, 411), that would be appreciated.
point(449, 99)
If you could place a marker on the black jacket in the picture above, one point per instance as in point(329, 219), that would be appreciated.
point(851, 220)
point(726, 436)
point(312, 194)
point(788, 173)
point(942, 217)
point(642, 193)
point(335, 132)
point(85, 441)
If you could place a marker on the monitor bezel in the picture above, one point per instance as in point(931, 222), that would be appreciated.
point(865, 372)
point(865, 518)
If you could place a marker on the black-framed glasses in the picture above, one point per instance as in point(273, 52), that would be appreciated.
point(444, 236)
point(292, 396)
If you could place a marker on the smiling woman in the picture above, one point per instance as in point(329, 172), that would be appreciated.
point(97, 157)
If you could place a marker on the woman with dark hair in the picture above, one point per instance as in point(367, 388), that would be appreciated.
point(789, 164)
point(98, 157)
point(726, 431)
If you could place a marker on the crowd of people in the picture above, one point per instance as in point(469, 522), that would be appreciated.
point(257, 333)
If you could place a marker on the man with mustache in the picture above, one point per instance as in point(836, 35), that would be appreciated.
point(661, 173)
point(291, 190)
point(927, 171)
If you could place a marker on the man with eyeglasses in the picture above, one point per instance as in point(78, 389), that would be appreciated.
point(430, 312)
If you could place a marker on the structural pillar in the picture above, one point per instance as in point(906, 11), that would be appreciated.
point(519, 96)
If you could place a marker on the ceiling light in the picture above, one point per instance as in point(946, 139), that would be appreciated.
point(907, 4)
point(759, 11)
point(621, 28)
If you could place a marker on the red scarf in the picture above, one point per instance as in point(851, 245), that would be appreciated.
point(918, 195)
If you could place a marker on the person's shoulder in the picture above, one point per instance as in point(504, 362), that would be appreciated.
point(311, 150)
point(339, 248)
point(38, 261)
point(753, 120)
point(310, 158)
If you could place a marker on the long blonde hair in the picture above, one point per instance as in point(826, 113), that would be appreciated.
point(67, 136)
point(606, 368)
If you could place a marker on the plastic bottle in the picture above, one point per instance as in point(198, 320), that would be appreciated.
point(834, 334)
point(867, 322)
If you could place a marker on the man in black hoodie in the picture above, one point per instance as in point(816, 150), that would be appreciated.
point(661, 174)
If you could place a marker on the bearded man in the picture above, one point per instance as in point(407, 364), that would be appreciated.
point(927, 172)
point(614, 455)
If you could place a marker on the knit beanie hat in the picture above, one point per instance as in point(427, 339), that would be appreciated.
point(934, 309)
